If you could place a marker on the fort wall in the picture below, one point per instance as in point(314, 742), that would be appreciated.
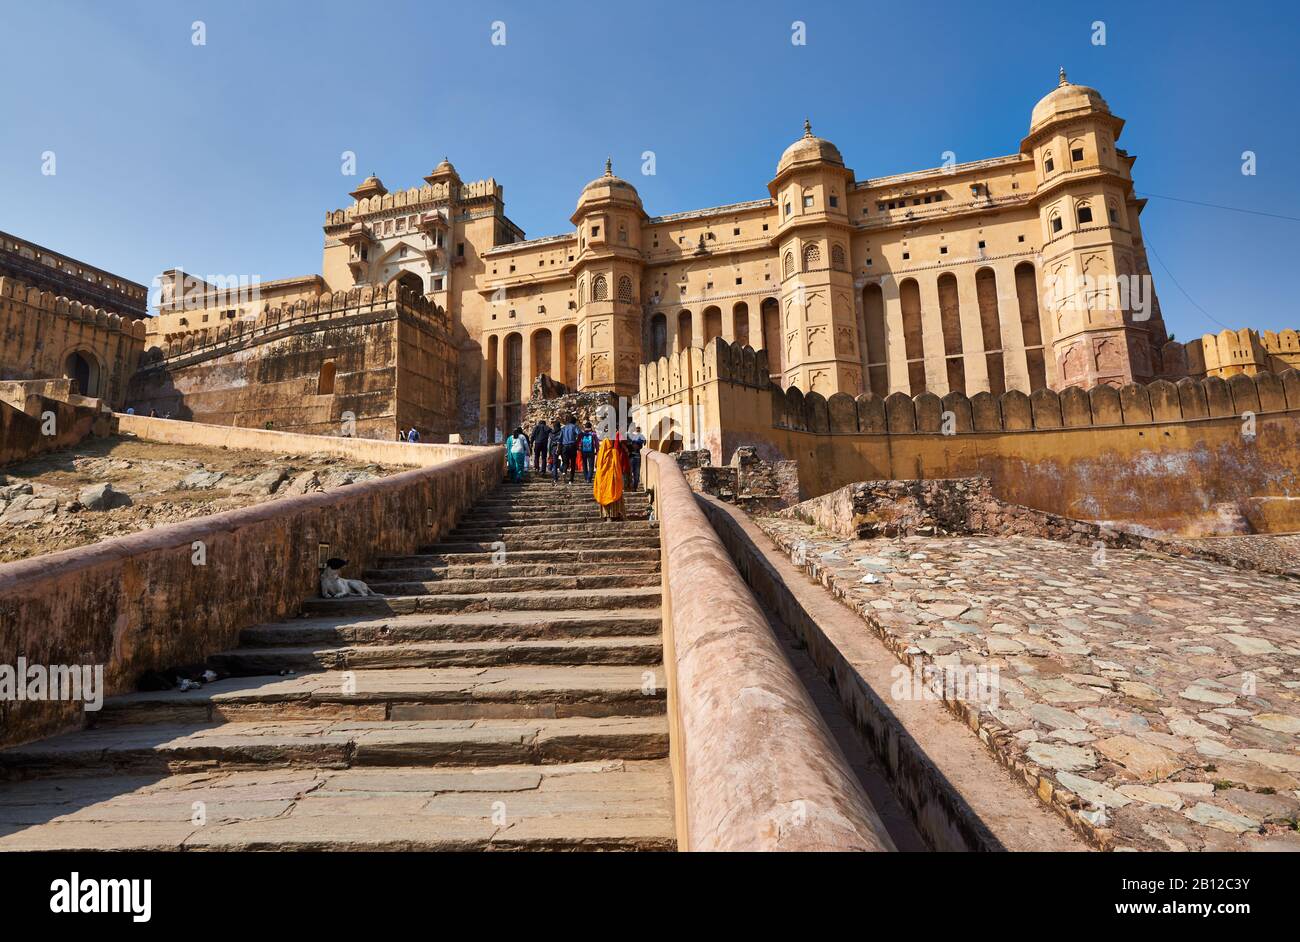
point(364, 363)
point(1209, 455)
point(42, 335)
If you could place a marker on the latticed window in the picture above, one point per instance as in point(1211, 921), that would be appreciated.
point(837, 257)
point(625, 289)
point(599, 288)
point(811, 256)
point(788, 268)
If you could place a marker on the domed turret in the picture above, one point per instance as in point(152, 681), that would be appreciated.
point(809, 150)
point(608, 187)
point(442, 173)
point(1067, 100)
point(370, 186)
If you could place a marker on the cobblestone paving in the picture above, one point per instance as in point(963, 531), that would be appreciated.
point(1154, 701)
point(1271, 553)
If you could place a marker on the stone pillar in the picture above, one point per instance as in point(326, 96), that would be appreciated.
point(936, 369)
point(895, 343)
point(972, 334)
point(526, 366)
point(557, 354)
point(756, 324)
point(1014, 363)
point(670, 333)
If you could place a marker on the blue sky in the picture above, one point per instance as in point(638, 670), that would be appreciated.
point(223, 158)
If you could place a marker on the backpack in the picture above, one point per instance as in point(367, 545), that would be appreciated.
point(517, 444)
point(588, 441)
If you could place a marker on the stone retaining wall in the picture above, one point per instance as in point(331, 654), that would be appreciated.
point(754, 767)
point(142, 602)
point(23, 430)
point(179, 432)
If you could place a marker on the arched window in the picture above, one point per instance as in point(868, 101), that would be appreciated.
point(1048, 163)
point(787, 268)
point(599, 289)
point(625, 289)
point(1054, 224)
point(837, 258)
point(1083, 212)
point(325, 382)
point(811, 256)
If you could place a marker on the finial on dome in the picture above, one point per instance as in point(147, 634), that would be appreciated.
point(609, 167)
point(807, 128)
point(1064, 80)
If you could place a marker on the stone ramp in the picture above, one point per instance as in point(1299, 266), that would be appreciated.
point(495, 703)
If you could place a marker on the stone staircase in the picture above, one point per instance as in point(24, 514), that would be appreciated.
point(506, 692)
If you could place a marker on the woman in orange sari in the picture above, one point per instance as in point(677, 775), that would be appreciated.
point(608, 486)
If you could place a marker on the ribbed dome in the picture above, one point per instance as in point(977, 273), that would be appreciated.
point(1066, 100)
point(809, 149)
point(609, 187)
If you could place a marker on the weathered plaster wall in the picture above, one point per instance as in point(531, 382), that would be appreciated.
point(39, 331)
point(1166, 455)
point(23, 430)
point(140, 603)
point(384, 357)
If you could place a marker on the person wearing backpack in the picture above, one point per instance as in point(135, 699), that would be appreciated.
point(588, 444)
point(635, 442)
point(569, 436)
point(517, 454)
point(554, 452)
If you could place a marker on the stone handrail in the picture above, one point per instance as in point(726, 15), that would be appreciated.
point(176, 594)
point(754, 767)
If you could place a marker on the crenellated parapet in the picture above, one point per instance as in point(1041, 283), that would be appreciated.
point(1157, 402)
point(416, 198)
point(60, 306)
point(1231, 351)
point(736, 364)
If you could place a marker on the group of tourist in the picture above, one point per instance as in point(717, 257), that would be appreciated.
point(408, 435)
point(610, 465)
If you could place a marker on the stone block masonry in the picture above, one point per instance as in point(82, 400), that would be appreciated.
point(141, 602)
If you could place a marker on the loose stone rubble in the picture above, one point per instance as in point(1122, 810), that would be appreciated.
point(111, 487)
point(1127, 694)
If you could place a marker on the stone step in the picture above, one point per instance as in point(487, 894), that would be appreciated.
point(551, 496)
point(612, 580)
point(459, 626)
point(587, 599)
point(337, 745)
point(561, 519)
point(477, 531)
point(505, 570)
point(600, 805)
point(640, 541)
point(609, 649)
point(402, 694)
point(566, 556)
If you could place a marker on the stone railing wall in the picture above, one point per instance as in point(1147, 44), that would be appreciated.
point(141, 602)
point(754, 767)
